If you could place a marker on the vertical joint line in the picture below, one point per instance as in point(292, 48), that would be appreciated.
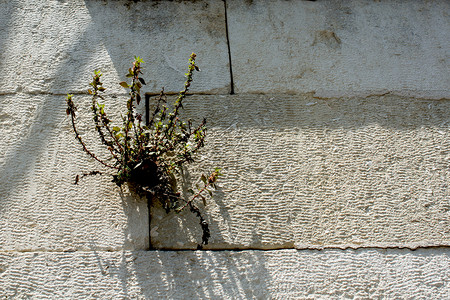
point(149, 203)
point(229, 50)
point(147, 109)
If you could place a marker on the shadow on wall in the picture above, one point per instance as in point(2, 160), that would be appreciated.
point(275, 111)
point(232, 113)
point(225, 276)
point(122, 41)
point(194, 274)
point(123, 31)
point(286, 273)
point(263, 112)
point(164, 35)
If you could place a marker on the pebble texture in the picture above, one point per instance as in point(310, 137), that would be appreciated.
point(338, 48)
point(310, 173)
point(54, 46)
point(283, 274)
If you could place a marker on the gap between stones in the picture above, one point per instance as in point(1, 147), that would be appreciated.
point(317, 249)
point(229, 49)
point(147, 114)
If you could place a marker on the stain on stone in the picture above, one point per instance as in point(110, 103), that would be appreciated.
point(328, 38)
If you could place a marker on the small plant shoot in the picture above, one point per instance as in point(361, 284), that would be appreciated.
point(149, 156)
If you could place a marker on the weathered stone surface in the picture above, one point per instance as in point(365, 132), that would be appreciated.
point(40, 206)
point(338, 48)
point(298, 172)
point(285, 274)
point(310, 173)
point(54, 46)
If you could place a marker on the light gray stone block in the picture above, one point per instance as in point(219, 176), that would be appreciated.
point(54, 46)
point(308, 173)
point(340, 48)
point(284, 274)
point(41, 209)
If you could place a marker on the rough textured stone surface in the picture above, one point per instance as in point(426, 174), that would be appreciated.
point(285, 274)
point(54, 46)
point(299, 171)
point(334, 48)
point(306, 172)
point(40, 206)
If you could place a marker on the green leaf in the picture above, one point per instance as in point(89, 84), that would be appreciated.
point(138, 59)
point(203, 178)
point(142, 81)
point(116, 128)
point(124, 84)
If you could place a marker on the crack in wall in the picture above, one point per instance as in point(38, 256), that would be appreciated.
point(229, 49)
point(324, 248)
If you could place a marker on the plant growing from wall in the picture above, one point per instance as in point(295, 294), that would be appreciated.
point(149, 156)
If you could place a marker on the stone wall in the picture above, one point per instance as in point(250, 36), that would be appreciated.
point(330, 120)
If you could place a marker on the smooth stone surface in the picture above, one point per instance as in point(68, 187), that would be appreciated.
point(340, 48)
point(54, 46)
point(284, 274)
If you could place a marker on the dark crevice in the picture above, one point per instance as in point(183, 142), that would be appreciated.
point(349, 248)
point(149, 200)
point(443, 247)
point(229, 50)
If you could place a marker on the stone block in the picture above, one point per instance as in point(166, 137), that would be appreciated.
point(41, 208)
point(54, 46)
point(281, 274)
point(340, 48)
point(309, 173)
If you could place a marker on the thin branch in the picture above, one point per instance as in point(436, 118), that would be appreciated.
point(71, 111)
point(84, 145)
